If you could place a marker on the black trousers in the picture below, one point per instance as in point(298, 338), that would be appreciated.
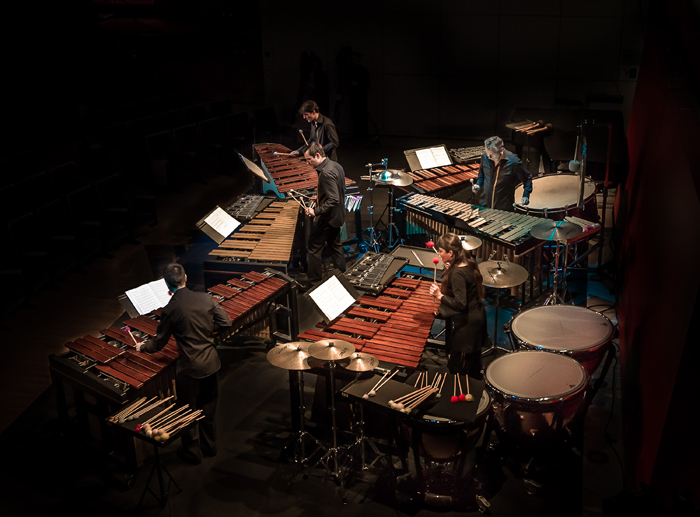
point(320, 235)
point(199, 394)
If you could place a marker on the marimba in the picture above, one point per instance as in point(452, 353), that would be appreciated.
point(287, 172)
point(455, 177)
point(393, 326)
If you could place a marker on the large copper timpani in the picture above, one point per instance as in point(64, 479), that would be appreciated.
point(556, 197)
point(393, 327)
point(536, 394)
point(578, 332)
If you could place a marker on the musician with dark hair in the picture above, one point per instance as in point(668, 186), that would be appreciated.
point(322, 130)
point(500, 172)
point(192, 318)
point(460, 294)
point(328, 215)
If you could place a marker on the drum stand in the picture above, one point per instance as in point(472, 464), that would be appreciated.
point(299, 444)
point(364, 439)
point(494, 342)
point(332, 454)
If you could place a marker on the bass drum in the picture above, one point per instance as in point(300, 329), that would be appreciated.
point(578, 332)
point(536, 394)
point(556, 196)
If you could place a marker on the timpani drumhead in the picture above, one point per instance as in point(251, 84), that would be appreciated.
point(535, 376)
point(562, 328)
point(554, 192)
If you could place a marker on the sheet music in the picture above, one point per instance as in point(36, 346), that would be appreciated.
point(332, 298)
point(149, 297)
point(220, 221)
point(433, 157)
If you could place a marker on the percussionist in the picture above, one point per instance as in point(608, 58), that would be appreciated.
point(500, 172)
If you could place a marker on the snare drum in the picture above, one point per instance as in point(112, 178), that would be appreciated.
point(536, 394)
point(555, 197)
point(578, 332)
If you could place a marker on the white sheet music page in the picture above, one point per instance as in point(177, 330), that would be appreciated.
point(160, 289)
point(332, 298)
point(223, 223)
point(426, 159)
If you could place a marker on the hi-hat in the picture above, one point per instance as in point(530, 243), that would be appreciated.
point(291, 356)
point(502, 274)
point(393, 177)
point(331, 349)
point(469, 242)
point(359, 362)
point(556, 230)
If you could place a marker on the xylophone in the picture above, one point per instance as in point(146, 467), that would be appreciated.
point(454, 177)
point(267, 237)
point(289, 173)
point(393, 327)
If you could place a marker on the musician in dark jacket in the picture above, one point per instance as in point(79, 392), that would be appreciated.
point(329, 213)
point(500, 172)
point(192, 318)
point(322, 130)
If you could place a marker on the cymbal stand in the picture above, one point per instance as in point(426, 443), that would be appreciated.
point(373, 241)
point(332, 454)
point(392, 225)
point(362, 439)
point(555, 297)
point(300, 456)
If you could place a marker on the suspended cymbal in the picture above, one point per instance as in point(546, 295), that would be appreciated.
point(359, 362)
point(556, 230)
point(331, 349)
point(469, 242)
point(291, 356)
point(393, 177)
point(501, 274)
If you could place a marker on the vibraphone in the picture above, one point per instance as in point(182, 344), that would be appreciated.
point(287, 172)
point(453, 177)
point(508, 232)
point(374, 271)
point(467, 154)
point(246, 207)
point(393, 326)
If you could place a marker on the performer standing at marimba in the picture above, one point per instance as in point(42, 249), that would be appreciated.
point(500, 172)
point(329, 214)
point(460, 294)
point(192, 318)
point(322, 130)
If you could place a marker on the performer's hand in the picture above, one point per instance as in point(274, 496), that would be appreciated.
point(310, 212)
point(140, 345)
point(294, 153)
point(476, 188)
point(435, 291)
point(525, 200)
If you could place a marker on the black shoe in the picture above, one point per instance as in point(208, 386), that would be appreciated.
point(188, 457)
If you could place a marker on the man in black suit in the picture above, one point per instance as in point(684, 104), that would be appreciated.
point(329, 214)
point(192, 318)
point(322, 130)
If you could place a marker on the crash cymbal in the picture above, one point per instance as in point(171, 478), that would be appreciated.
point(556, 231)
point(291, 356)
point(501, 274)
point(331, 349)
point(359, 362)
point(393, 177)
point(469, 242)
